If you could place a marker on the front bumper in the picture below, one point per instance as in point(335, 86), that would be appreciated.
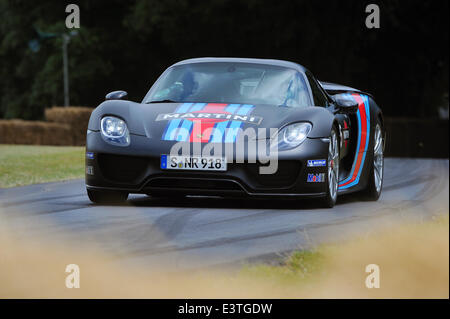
point(136, 169)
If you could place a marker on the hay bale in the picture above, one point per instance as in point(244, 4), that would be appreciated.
point(34, 133)
point(76, 117)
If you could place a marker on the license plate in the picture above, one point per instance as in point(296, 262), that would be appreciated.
point(200, 163)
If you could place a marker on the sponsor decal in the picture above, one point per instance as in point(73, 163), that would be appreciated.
point(90, 170)
point(207, 122)
point(316, 178)
point(363, 117)
point(90, 155)
point(211, 116)
point(317, 163)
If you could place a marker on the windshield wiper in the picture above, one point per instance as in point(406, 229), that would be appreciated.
point(162, 101)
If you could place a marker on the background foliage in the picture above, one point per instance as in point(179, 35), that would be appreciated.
point(126, 45)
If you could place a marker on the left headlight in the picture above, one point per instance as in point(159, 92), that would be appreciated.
point(293, 135)
point(115, 131)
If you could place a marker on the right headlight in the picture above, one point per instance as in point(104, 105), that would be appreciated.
point(115, 131)
point(292, 135)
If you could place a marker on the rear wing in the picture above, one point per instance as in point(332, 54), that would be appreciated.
point(333, 88)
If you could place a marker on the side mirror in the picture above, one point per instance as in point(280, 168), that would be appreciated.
point(116, 95)
point(346, 106)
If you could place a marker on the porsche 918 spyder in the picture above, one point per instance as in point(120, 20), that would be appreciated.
point(328, 138)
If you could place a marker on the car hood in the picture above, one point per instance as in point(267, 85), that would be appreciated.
point(162, 120)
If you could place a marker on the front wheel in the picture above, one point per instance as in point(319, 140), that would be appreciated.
point(375, 183)
point(107, 197)
point(333, 170)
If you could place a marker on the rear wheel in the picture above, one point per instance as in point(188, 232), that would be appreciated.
point(333, 170)
point(375, 184)
point(107, 197)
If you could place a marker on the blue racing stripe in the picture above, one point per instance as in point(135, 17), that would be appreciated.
point(232, 108)
point(367, 108)
point(356, 157)
point(183, 108)
point(233, 129)
point(357, 146)
point(197, 107)
point(169, 133)
point(183, 132)
point(220, 127)
point(219, 130)
point(245, 109)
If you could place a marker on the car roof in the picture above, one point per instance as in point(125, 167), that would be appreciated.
point(282, 63)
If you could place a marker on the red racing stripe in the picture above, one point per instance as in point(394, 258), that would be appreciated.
point(363, 138)
point(202, 128)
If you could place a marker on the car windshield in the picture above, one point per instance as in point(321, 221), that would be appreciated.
point(222, 82)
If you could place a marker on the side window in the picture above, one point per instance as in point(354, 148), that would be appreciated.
point(303, 93)
point(297, 94)
point(319, 97)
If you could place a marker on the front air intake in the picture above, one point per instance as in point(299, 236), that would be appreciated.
point(121, 168)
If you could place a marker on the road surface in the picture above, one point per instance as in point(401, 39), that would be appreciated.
point(201, 232)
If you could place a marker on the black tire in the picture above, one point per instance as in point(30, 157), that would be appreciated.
point(107, 197)
point(372, 192)
point(329, 201)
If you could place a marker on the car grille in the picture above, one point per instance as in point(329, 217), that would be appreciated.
point(122, 168)
point(194, 183)
point(134, 169)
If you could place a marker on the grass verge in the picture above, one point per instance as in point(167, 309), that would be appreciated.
point(29, 164)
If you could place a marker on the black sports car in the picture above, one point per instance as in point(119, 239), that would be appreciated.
point(236, 127)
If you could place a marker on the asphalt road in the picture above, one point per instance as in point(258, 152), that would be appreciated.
point(201, 232)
